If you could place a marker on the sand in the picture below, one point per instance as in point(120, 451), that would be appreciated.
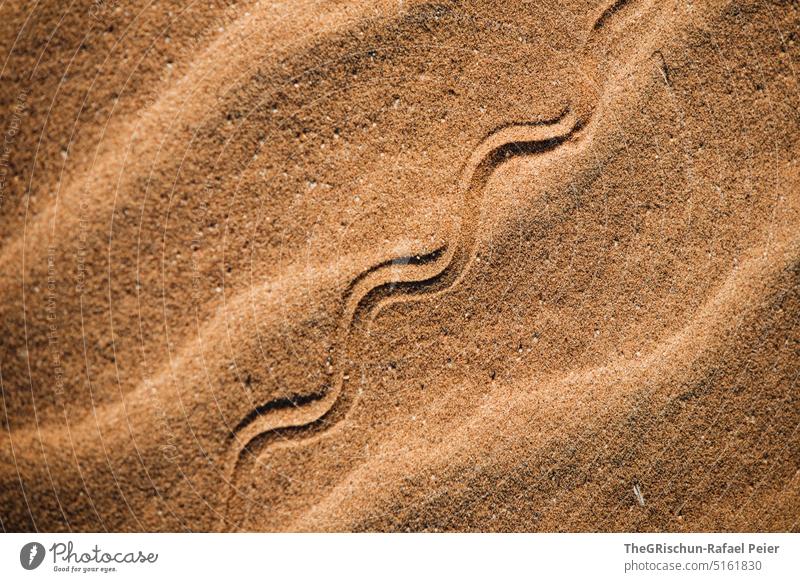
point(392, 266)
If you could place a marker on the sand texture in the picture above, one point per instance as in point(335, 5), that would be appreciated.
point(427, 266)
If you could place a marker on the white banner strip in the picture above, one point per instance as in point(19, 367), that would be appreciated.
point(378, 557)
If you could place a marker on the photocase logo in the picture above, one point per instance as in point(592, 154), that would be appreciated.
point(31, 555)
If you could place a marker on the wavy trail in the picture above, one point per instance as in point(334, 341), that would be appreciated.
point(291, 419)
point(301, 417)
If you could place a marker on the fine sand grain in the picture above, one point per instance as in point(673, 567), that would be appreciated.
point(359, 265)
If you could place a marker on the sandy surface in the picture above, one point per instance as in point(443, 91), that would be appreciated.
point(527, 266)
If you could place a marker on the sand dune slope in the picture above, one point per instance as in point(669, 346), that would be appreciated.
point(401, 266)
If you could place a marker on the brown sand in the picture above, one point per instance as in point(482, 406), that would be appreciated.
point(400, 265)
